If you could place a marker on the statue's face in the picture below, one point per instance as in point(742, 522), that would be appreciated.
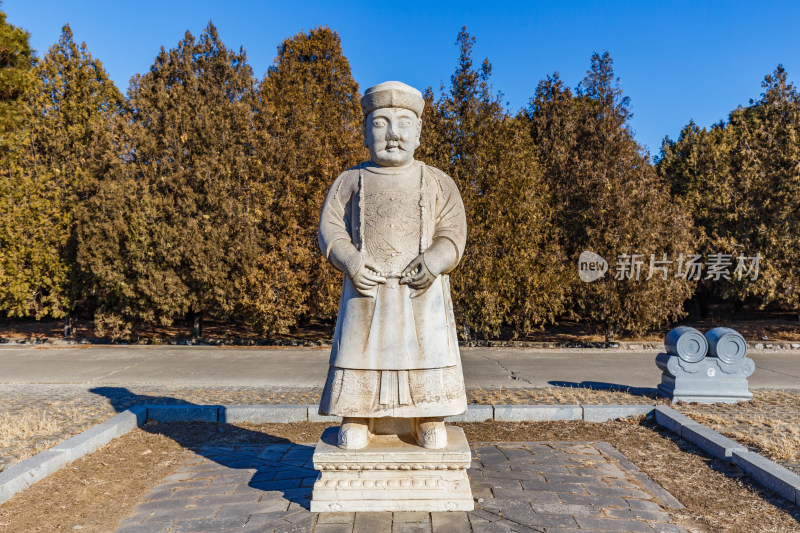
point(392, 135)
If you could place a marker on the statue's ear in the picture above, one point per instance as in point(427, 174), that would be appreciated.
point(419, 130)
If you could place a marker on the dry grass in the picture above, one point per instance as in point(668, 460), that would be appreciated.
point(26, 425)
point(97, 491)
point(770, 423)
point(27, 432)
point(562, 396)
point(774, 436)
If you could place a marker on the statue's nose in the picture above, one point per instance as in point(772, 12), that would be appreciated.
point(392, 135)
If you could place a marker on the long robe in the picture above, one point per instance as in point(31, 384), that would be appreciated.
point(393, 355)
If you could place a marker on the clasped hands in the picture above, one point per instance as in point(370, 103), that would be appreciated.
point(416, 275)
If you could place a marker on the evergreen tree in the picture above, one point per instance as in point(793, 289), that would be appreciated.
point(310, 129)
point(610, 201)
point(183, 208)
point(741, 180)
point(766, 164)
point(511, 271)
point(16, 59)
point(55, 160)
point(697, 168)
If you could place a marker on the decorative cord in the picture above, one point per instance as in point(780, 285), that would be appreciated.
point(422, 208)
point(360, 209)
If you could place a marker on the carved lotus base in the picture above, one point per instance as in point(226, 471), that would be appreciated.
point(392, 474)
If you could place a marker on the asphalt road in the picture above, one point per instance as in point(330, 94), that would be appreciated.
point(307, 367)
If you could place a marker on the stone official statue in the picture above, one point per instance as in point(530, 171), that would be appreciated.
point(396, 227)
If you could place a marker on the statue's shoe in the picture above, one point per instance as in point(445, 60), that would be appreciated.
point(432, 435)
point(353, 435)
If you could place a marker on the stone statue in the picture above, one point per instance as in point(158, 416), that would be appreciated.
point(396, 227)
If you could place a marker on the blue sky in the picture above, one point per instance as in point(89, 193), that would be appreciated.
point(676, 60)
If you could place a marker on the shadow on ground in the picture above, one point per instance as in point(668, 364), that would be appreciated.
point(649, 392)
point(277, 463)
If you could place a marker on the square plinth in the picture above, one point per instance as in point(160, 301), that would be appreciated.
point(392, 474)
point(701, 389)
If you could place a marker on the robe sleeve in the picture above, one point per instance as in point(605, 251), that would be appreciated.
point(335, 240)
point(450, 223)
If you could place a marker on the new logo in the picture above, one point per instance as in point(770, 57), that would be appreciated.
point(591, 266)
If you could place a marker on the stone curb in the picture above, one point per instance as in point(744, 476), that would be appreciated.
point(262, 414)
point(183, 413)
point(604, 413)
point(768, 474)
point(712, 442)
point(475, 413)
point(314, 416)
point(101, 434)
point(672, 419)
point(537, 413)
point(707, 440)
point(24, 474)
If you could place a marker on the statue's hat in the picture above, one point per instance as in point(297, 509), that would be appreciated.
point(392, 94)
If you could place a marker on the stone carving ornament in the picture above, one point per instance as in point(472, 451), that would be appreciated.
point(706, 368)
point(395, 227)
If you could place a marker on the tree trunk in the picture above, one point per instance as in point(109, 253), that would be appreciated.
point(610, 332)
point(466, 331)
point(694, 309)
point(702, 300)
point(69, 326)
point(196, 318)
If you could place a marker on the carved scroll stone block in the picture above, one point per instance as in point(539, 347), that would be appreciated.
point(392, 474)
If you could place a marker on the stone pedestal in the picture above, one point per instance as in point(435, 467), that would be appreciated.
point(709, 380)
point(392, 473)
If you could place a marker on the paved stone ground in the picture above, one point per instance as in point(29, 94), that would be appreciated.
point(70, 409)
point(538, 486)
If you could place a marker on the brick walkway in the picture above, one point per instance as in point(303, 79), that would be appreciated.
point(543, 486)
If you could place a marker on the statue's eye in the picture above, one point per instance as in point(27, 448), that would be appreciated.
point(379, 123)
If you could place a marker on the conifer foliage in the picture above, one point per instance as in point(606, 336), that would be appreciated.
point(16, 59)
point(610, 201)
point(309, 122)
point(198, 195)
point(176, 222)
point(741, 180)
point(56, 157)
point(512, 270)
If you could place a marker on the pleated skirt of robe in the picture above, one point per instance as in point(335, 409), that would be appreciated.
point(397, 393)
